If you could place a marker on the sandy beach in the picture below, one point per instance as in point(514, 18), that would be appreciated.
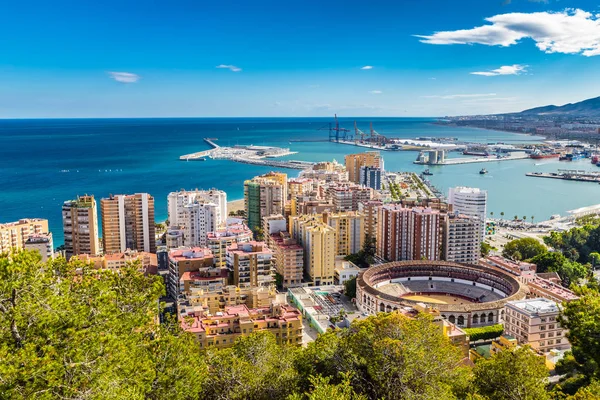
point(235, 205)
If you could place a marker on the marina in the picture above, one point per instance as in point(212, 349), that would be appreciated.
point(254, 155)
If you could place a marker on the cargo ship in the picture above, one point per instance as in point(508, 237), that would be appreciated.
point(540, 155)
point(476, 152)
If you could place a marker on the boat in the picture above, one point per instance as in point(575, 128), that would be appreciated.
point(540, 156)
point(595, 158)
point(473, 152)
point(427, 172)
point(483, 171)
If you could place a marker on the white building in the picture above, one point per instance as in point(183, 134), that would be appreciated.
point(178, 200)
point(42, 243)
point(196, 220)
point(344, 271)
point(471, 202)
point(534, 322)
point(462, 241)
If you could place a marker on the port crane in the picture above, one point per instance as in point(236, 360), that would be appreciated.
point(358, 134)
point(335, 132)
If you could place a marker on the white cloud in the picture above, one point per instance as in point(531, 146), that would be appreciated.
point(367, 67)
point(458, 96)
point(124, 77)
point(375, 92)
point(232, 68)
point(572, 31)
point(514, 69)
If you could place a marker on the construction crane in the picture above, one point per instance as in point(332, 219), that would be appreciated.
point(335, 132)
point(376, 137)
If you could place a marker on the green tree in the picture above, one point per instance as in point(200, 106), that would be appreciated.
point(582, 319)
point(594, 258)
point(322, 389)
point(350, 287)
point(527, 247)
point(515, 374)
point(70, 331)
point(486, 248)
point(516, 217)
point(569, 271)
point(254, 368)
point(491, 214)
point(531, 218)
point(502, 214)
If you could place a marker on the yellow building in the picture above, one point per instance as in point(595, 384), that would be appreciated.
point(13, 235)
point(367, 159)
point(350, 231)
point(319, 243)
point(148, 261)
point(221, 329)
point(220, 240)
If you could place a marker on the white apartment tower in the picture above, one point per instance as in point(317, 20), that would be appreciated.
point(178, 200)
point(471, 202)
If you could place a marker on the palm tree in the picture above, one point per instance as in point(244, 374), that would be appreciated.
point(516, 217)
point(524, 218)
point(491, 213)
point(531, 218)
point(502, 214)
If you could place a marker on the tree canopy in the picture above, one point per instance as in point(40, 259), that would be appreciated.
point(523, 249)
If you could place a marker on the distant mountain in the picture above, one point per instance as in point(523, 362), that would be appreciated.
point(585, 108)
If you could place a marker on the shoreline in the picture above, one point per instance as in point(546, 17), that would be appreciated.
point(235, 205)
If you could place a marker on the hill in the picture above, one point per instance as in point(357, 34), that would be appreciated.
point(585, 108)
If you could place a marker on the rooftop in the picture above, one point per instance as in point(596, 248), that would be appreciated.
point(536, 306)
point(189, 253)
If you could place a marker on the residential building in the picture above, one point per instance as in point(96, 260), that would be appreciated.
point(42, 243)
point(13, 235)
point(221, 330)
point(409, 233)
point(80, 226)
point(263, 196)
point(371, 177)
point(184, 260)
point(208, 290)
point(462, 238)
point(178, 200)
point(370, 209)
point(128, 223)
point(311, 205)
point(326, 172)
point(319, 242)
point(344, 271)
point(289, 258)
point(198, 219)
point(547, 289)
point(174, 238)
point(471, 202)
point(148, 262)
point(273, 224)
point(300, 187)
point(354, 162)
point(346, 197)
point(252, 264)
point(535, 322)
point(350, 231)
point(220, 240)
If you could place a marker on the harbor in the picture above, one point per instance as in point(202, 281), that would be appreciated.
point(254, 155)
point(568, 175)
point(438, 157)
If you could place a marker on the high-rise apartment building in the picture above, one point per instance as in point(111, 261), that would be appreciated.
point(462, 239)
point(80, 226)
point(197, 220)
point(177, 201)
point(409, 233)
point(221, 239)
point(263, 196)
point(370, 209)
point(186, 260)
point(354, 162)
point(128, 223)
point(42, 243)
point(471, 202)
point(350, 231)
point(252, 264)
point(319, 243)
point(14, 235)
point(371, 177)
point(346, 197)
point(289, 258)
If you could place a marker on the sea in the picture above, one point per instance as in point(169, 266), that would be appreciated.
point(46, 162)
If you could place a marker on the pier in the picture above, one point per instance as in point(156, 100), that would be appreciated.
point(568, 175)
point(464, 160)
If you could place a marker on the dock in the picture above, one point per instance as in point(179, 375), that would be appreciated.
point(568, 175)
point(464, 160)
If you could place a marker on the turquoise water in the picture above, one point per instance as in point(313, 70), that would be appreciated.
point(141, 155)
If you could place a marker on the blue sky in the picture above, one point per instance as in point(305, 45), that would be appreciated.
point(294, 58)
